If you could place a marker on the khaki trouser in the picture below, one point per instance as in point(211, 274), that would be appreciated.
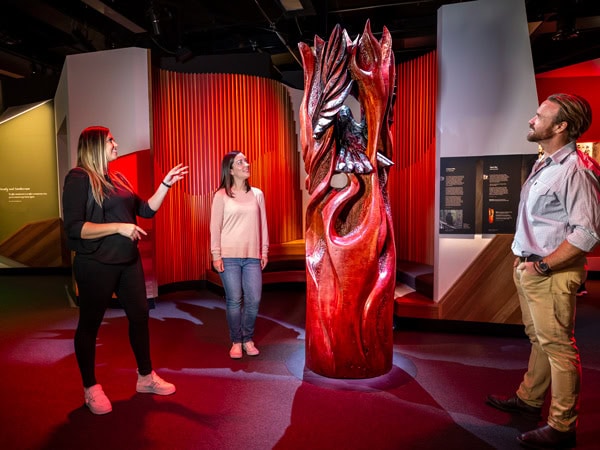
point(548, 310)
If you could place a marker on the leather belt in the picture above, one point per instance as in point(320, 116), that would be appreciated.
point(530, 258)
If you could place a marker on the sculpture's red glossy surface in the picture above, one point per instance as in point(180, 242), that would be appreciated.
point(350, 250)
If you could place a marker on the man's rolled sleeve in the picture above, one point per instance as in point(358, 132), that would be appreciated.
point(583, 239)
point(584, 210)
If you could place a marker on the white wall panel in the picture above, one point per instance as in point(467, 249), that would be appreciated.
point(486, 95)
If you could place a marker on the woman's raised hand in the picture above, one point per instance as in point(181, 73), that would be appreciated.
point(175, 174)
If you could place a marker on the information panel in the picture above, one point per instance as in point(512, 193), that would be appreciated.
point(500, 193)
point(457, 195)
point(480, 195)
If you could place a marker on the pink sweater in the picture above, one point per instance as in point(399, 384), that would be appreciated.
point(238, 225)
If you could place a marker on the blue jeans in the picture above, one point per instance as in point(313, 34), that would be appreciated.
point(242, 281)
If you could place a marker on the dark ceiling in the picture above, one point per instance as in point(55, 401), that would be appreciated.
point(37, 35)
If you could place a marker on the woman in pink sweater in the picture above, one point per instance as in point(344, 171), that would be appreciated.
point(239, 244)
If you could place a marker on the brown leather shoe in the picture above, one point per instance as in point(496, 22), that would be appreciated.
point(514, 405)
point(547, 437)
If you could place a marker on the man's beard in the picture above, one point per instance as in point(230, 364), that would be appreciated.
point(538, 135)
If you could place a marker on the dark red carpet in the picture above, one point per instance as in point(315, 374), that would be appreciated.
point(432, 399)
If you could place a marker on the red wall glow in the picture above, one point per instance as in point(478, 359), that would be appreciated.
point(197, 118)
point(585, 86)
point(412, 179)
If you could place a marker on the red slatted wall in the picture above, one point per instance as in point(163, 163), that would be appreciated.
point(197, 118)
point(412, 179)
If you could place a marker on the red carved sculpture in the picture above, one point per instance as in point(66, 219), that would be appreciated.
point(350, 250)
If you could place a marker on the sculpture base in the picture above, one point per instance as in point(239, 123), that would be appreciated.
point(403, 371)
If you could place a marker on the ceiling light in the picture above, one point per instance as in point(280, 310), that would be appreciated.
point(565, 35)
point(565, 29)
point(292, 5)
point(155, 21)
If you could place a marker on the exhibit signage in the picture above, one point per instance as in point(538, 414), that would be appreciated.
point(457, 195)
point(480, 195)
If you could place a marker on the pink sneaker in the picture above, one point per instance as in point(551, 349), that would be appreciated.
point(236, 351)
point(153, 384)
point(250, 349)
point(96, 400)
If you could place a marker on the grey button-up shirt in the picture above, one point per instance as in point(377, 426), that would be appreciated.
point(560, 200)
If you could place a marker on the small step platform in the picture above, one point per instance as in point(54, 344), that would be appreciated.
point(413, 296)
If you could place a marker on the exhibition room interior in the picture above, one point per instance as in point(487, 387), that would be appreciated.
point(188, 80)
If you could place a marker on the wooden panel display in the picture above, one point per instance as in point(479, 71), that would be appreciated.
point(486, 291)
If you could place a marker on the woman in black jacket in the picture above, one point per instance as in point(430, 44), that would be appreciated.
point(99, 211)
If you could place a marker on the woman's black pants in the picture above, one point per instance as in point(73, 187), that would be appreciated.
point(96, 283)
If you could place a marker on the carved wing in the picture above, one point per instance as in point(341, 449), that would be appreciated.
point(335, 82)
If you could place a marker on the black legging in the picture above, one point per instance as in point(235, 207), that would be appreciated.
point(96, 283)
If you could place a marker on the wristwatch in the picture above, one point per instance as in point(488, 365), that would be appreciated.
point(544, 267)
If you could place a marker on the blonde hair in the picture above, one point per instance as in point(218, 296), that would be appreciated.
point(91, 157)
